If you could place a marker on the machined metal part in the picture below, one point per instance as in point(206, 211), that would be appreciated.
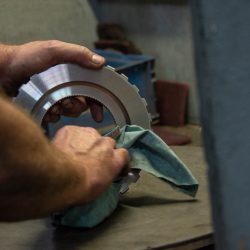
point(105, 85)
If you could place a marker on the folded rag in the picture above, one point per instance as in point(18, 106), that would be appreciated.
point(147, 152)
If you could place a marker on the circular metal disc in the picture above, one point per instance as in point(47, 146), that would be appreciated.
point(108, 87)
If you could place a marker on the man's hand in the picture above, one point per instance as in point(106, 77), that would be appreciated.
point(19, 63)
point(39, 177)
point(73, 107)
point(96, 155)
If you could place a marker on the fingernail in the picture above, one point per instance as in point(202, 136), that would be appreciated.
point(81, 99)
point(96, 59)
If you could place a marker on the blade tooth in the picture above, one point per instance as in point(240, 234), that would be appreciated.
point(124, 76)
point(150, 117)
point(110, 67)
point(135, 88)
point(144, 101)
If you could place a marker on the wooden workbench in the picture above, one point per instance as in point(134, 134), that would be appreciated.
point(150, 215)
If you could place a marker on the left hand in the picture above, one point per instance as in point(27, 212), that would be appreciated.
point(19, 63)
point(73, 107)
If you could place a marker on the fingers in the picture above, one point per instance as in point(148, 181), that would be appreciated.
point(55, 52)
point(96, 109)
point(51, 118)
point(122, 161)
point(32, 58)
point(72, 53)
point(73, 107)
point(122, 157)
point(61, 52)
point(77, 138)
point(82, 99)
point(106, 144)
point(94, 155)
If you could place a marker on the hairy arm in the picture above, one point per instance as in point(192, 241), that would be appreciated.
point(37, 177)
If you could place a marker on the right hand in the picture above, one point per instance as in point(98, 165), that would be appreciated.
point(97, 156)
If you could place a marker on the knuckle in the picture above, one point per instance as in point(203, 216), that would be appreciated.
point(123, 155)
point(86, 55)
point(109, 140)
point(52, 44)
point(124, 152)
point(86, 51)
point(51, 50)
point(67, 129)
point(60, 132)
point(90, 130)
point(53, 47)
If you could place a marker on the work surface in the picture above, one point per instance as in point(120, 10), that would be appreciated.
point(151, 214)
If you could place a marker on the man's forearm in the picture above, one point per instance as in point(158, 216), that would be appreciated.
point(6, 52)
point(35, 178)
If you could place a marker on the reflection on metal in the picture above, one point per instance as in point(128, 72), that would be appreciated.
point(108, 87)
point(105, 85)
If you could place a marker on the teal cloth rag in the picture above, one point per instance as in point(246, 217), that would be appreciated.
point(148, 153)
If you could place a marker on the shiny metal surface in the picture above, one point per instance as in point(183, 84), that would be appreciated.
point(105, 85)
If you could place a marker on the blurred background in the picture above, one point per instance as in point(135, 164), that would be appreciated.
point(160, 28)
point(152, 43)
